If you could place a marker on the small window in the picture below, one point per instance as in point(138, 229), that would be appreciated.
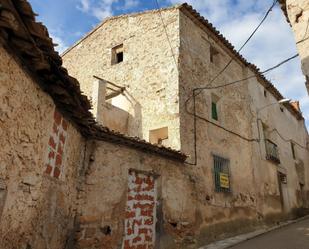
point(281, 109)
point(283, 178)
point(159, 136)
point(265, 93)
point(214, 111)
point(214, 107)
point(221, 174)
point(117, 54)
point(213, 53)
point(293, 150)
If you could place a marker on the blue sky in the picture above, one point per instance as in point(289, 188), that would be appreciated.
point(68, 20)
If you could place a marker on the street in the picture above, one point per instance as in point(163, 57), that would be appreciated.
point(294, 236)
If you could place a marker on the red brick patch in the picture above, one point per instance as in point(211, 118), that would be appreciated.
point(56, 145)
point(57, 118)
point(140, 214)
point(56, 172)
point(48, 169)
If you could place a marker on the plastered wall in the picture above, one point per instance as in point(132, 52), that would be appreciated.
point(37, 204)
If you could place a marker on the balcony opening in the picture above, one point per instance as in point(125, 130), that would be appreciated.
point(159, 136)
point(272, 151)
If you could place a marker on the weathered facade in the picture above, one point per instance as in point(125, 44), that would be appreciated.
point(297, 14)
point(265, 176)
point(67, 182)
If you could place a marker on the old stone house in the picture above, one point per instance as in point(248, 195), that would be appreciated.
point(297, 14)
point(68, 182)
point(141, 69)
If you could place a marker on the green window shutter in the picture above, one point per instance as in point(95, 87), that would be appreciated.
point(214, 113)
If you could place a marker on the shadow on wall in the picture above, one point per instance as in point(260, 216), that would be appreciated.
point(134, 108)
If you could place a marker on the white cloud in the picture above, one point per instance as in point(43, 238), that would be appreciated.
point(101, 9)
point(129, 4)
point(84, 5)
point(62, 46)
point(101, 13)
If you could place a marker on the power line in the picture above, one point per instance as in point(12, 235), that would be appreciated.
point(220, 86)
point(166, 33)
point(304, 37)
point(288, 140)
point(224, 85)
point(250, 77)
point(245, 43)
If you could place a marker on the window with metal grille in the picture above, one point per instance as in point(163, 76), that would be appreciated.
point(221, 174)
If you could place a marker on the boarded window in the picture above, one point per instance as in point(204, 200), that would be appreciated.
point(117, 54)
point(221, 174)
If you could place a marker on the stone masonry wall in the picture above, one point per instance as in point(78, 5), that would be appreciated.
point(220, 212)
point(148, 70)
point(135, 200)
point(255, 194)
point(39, 160)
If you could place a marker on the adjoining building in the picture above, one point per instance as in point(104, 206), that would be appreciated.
point(297, 15)
point(135, 169)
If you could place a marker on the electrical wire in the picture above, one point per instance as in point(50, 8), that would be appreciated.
point(252, 76)
point(288, 140)
point(166, 33)
point(223, 85)
point(304, 37)
point(245, 43)
point(220, 86)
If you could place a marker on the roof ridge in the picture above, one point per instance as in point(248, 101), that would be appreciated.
point(101, 23)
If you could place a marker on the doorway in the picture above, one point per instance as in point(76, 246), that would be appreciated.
point(140, 219)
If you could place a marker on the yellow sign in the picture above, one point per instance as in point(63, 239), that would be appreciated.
point(224, 180)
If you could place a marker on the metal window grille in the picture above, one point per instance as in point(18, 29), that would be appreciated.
point(272, 152)
point(221, 174)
